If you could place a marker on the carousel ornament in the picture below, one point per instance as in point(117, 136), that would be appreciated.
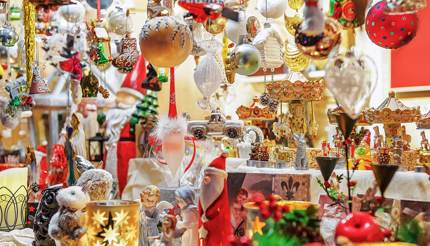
point(313, 19)
point(38, 84)
point(390, 31)
point(270, 44)
point(72, 13)
point(395, 7)
point(127, 58)
point(209, 73)
point(104, 4)
point(247, 59)
point(319, 46)
point(165, 41)
point(272, 9)
point(8, 35)
point(295, 60)
point(119, 22)
point(351, 80)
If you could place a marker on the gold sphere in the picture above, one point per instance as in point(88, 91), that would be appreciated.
point(291, 23)
point(296, 4)
point(165, 41)
point(215, 26)
point(295, 60)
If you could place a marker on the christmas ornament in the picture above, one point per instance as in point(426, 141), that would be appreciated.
point(203, 9)
point(128, 55)
point(170, 131)
point(48, 5)
point(100, 51)
point(157, 9)
point(270, 44)
point(351, 80)
point(165, 41)
point(15, 13)
point(271, 9)
point(345, 12)
point(294, 59)
point(89, 85)
point(119, 22)
point(252, 26)
point(236, 29)
point(73, 12)
point(313, 19)
point(152, 81)
point(390, 31)
point(359, 227)
point(404, 6)
point(292, 23)
point(215, 26)
point(320, 46)
point(246, 58)
point(38, 84)
point(104, 4)
point(209, 73)
point(8, 35)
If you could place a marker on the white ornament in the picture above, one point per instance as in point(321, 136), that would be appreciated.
point(73, 12)
point(270, 44)
point(272, 8)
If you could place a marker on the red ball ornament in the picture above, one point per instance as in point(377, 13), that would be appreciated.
point(390, 31)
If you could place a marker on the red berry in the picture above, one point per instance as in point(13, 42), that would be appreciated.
point(257, 197)
point(285, 209)
point(352, 183)
point(265, 213)
point(327, 184)
point(272, 198)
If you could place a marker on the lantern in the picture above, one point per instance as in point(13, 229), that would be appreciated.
point(96, 147)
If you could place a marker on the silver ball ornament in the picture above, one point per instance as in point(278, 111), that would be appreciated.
point(73, 12)
point(104, 4)
point(118, 22)
point(247, 59)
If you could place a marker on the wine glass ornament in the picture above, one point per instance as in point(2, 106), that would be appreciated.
point(390, 31)
point(165, 41)
point(209, 73)
point(119, 22)
point(351, 80)
point(246, 59)
point(271, 8)
point(395, 7)
point(72, 13)
point(313, 19)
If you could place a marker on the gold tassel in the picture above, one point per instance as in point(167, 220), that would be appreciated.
point(29, 38)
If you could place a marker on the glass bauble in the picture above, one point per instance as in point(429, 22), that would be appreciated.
point(247, 59)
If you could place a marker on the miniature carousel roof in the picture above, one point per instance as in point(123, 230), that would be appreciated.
point(424, 122)
point(254, 112)
point(392, 110)
point(302, 90)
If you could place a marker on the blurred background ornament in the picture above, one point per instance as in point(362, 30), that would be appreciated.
point(319, 47)
point(351, 80)
point(291, 23)
point(128, 55)
point(404, 6)
point(203, 9)
point(165, 41)
point(73, 13)
point(344, 11)
point(38, 84)
point(8, 35)
point(119, 22)
point(246, 58)
point(272, 8)
point(100, 50)
point(252, 26)
point(15, 12)
point(313, 19)
point(296, 4)
point(271, 46)
point(215, 26)
point(295, 60)
point(104, 4)
point(390, 31)
point(235, 29)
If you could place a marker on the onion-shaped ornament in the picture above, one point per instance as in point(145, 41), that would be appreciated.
point(246, 59)
point(73, 13)
point(118, 22)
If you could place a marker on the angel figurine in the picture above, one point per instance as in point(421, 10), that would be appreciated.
point(188, 219)
point(150, 215)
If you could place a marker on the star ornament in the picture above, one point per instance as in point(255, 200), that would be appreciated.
point(99, 217)
point(257, 226)
point(110, 235)
point(121, 217)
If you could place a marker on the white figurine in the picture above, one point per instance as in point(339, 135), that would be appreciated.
point(188, 220)
point(78, 136)
point(150, 215)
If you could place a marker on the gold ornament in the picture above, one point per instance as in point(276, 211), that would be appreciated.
point(29, 39)
point(295, 60)
point(296, 4)
point(291, 23)
point(252, 26)
point(165, 41)
point(215, 26)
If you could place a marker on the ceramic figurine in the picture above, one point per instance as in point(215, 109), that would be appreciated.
point(66, 225)
point(301, 162)
point(406, 138)
point(48, 206)
point(378, 139)
point(78, 136)
point(97, 183)
point(245, 146)
point(188, 219)
point(337, 139)
point(424, 142)
point(150, 215)
point(168, 232)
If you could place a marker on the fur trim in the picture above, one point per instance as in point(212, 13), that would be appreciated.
point(166, 125)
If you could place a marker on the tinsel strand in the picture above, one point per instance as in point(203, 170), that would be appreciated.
point(29, 38)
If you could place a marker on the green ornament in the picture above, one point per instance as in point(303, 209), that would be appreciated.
point(163, 78)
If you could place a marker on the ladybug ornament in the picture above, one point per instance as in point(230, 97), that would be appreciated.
point(390, 31)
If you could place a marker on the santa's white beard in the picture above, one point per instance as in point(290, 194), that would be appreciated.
point(173, 155)
point(211, 191)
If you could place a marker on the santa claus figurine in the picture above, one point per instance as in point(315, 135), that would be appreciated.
point(214, 210)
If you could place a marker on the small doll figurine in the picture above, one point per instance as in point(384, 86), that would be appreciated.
point(188, 219)
point(150, 215)
point(168, 234)
point(424, 142)
point(378, 139)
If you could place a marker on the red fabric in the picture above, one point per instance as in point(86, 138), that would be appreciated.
point(72, 66)
point(197, 10)
point(126, 150)
point(43, 178)
point(59, 170)
point(173, 113)
point(218, 214)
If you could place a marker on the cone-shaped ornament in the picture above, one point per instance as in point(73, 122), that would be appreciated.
point(327, 165)
point(38, 84)
point(383, 175)
point(345, 123)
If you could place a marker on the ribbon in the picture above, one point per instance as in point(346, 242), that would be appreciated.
point(173, 113)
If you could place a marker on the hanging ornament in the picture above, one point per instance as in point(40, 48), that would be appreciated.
point(235, 29)
point(252, 26)
point(270, 44)
point(351, 80)
point(104, 4)
point(49, 5)
point(292, 23)
point(215, 26)
point(8, 35)
point(296, 4)
point(119, 22)
point(209, 73)
point(345, 12)
point(313, 19)
point(14, 13)
point(320, 46)
point(38, 84)
point(203, 9)
point(151, 81)
point(29, 37)
point(390, 31)
point(296, 60)
point(127, 56)
point(100, 51)
point(272, 8)
point(404, 6)
point(72, 13)
point(165, 41)
point(89, 85)
point(246, 58)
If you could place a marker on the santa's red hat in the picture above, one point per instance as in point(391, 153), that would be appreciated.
point(132, 83)
point(217, 166)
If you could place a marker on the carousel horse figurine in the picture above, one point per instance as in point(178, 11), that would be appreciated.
point(378, 139)
point(406, 138)
point(424, 142)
